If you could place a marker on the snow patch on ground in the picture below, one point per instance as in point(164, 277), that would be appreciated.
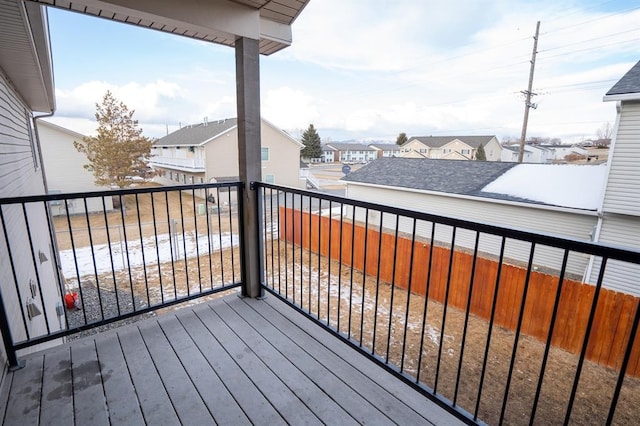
point(136, 253)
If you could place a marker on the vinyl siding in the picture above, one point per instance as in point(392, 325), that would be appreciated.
point(20, 175)
point(569, 224)
point(623, 186)
point(620, 231)
point(17, 160)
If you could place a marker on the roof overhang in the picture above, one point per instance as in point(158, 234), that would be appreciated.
point(622, 97)
point(216, 21)
point(25, 56)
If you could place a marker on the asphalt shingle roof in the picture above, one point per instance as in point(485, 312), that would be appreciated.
point(386, 146)
point(197, 133)
point(450, 176)
point(629, 83)
point(439, 141)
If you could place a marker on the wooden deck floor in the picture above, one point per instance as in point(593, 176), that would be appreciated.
point(230, 361)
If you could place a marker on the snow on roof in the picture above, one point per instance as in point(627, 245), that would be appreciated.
point(564, 185)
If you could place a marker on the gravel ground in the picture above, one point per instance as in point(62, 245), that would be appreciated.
point(91, 301)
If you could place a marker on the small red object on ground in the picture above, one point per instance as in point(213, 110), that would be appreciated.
point(70, 300)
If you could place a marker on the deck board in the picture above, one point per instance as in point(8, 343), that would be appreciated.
point(252, 402)
point(154, 401)
point(90, 405)
point(219, 401)
point(377, 398)
point(122, 401)
point(184, 396)
point(228, 361)
point(319, 402)
point(57, 388)
point(23, 406)
point(283, 399)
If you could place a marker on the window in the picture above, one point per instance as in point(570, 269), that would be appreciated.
point(191, 180)
point(264, 154)
point(270, 179)
point(466, 152)
point(184, 178)
point(201, 180)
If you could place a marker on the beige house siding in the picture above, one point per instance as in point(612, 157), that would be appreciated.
point(493, 150)
point(414, 145)
point(218, 157)
point(64, 168)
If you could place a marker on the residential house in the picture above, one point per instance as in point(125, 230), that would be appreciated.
point(64, 169)
point(619, 217)
point(559, 152)
point(353, 152)
point(536, 154)
point(329, 154)
point(386, 150)
point(452, 147)
point(461, 189)
point(200, 153)
point(542, 153)
point(510, 154)
point(26, 88)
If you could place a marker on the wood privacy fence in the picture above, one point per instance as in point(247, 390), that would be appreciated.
point(614, 313)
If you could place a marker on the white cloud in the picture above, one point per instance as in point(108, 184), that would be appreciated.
point(291, 109)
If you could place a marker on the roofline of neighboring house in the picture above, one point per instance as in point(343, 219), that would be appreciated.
point(622, 97)
point(477, 198)
point(361, 147)
point(62, 129)
point(297, 142)
point(300, 144)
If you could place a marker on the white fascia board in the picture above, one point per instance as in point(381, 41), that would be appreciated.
point(275, 31)
point(622, 97)
point(484, 199)
point(223, 17)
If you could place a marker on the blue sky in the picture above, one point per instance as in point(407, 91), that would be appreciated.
point(367, 69)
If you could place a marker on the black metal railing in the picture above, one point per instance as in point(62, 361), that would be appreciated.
point(99, 257)
point(495, 324)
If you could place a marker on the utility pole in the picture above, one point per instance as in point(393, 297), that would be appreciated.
point(528, 95)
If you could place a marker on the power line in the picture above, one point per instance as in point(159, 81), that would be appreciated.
point(589, 40)
point(599, 18)
point(635, 40)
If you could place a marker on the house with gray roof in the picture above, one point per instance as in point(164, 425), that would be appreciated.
point(329, 154)
point(352, 153)
point(207, 152)
point(451, 147)
point(386, 149)
point(500, 193)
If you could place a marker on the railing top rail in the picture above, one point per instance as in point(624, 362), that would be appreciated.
point(111, 192)
point(597, 249)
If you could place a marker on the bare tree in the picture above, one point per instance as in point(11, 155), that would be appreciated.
point(604, 134)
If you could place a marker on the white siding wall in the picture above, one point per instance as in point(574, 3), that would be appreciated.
point(568, 224)
point(623, 186)
point(621, 218)
point(64, 168)
point(493, 150)
point(21, 174)
point(619, 230)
